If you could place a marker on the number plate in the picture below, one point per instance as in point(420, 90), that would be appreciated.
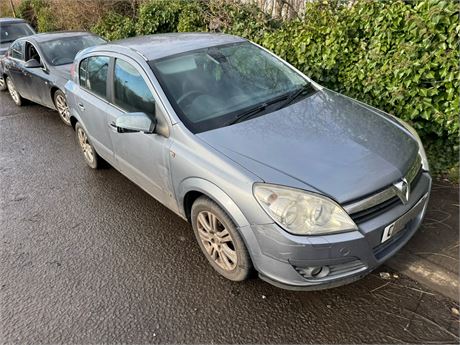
point(400, 224)
point(390, 231)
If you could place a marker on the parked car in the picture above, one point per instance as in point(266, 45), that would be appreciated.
point(274, 172)
point(10, 30)
point(37, 67)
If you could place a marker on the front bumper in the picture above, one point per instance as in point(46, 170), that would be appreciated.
point(283, 259)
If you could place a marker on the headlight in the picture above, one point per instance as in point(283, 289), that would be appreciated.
point(301, 212)
point(421, 150)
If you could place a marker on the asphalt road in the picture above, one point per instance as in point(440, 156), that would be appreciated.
point(86, 256)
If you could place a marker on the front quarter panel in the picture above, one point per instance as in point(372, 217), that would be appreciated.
point(196, 166)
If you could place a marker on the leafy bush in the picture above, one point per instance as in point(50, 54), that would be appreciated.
point(26, 11)
point(46, 20)
point(158, 16)
point(161, 16)
point(39, 13)
point(400, 56)
point(242, 20)
point(191, 18)
point(115, 26)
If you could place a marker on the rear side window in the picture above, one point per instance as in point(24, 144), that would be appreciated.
point(131, 92)
point(82, 72)
point(93, 74)
point(17, 50)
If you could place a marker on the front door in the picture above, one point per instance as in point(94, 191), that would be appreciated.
point(144, 158)
point(15, 67)
point(37, 85)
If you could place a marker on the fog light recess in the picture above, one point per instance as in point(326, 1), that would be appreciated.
point(315, 271)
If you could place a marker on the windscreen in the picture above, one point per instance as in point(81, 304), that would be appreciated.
point(11, 32)
point(207, 87)
point(62, 51)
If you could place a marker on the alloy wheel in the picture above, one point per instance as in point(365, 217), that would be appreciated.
point(217, 241)
point(13, 93)
point(85, 145)
point(63, 109)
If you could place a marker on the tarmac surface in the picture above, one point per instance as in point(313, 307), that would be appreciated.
point(88, 257)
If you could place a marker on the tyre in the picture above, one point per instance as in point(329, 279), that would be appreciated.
point(13, 93)
point(89, 153)
point(60, 102)
point(219, 240)
point(3, 86)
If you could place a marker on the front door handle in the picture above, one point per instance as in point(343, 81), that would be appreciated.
point(113, 126)
point(82, 107)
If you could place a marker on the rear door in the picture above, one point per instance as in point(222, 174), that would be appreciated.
point(144, 158)
point(91, 102)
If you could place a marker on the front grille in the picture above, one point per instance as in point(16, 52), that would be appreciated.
point(362, 216)
point(416, 179)
point(378, 203)
point(338, 270)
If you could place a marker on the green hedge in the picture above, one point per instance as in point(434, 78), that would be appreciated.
point(400, 56)
point(161, 16)
point(39, 13)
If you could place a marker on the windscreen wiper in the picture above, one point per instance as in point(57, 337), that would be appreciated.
point(247, 114)
point(295, 94)
point(255, 110)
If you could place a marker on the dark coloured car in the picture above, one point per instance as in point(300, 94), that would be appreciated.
point(10, 30)
point(38, 66)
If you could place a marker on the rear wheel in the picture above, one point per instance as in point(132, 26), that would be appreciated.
point(60, 103)
point(90, 155)
point(13, 92)
point(220, 241)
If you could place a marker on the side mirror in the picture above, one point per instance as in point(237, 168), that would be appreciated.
point(32, 63)
point(135, 122)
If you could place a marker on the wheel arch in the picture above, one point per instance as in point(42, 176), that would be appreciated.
point(74, 118)
point(53, 91)
point(192, 188)
point(73, 121)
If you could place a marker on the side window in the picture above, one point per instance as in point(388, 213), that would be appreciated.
point(96, 75)
point(82, 72)
point(31, 53)
point(131, 92)
point(17, 50)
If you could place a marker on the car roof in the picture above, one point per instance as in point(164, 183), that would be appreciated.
point(156, 46)
point(49, 36)
point(8, 20)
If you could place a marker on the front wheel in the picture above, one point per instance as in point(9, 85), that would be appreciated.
point(90, 155)
point(13, 92)
point(60, 103)
point(220, 241)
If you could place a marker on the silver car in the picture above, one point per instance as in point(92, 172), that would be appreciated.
point(275, 173)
